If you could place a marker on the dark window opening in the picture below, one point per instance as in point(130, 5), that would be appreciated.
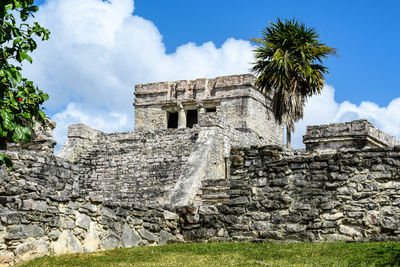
point(172, 120)
point(191, 118)
point(211, 109)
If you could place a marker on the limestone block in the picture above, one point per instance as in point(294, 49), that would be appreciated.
point(2, 240)
point(24, 231)
point(30, 204)
point(208, 210)
point(32, 249)
point(274, 235)
point(147, 235)
point(372, 217)
point(391, 223)
point(350, 231)
point(260, 216)
point(166, 237)
point(54, 235)
point(66, 222)
point(67, 243)
point(262, 226)
point(333, 217)
point(129, 237)
point(108, 213)
point(82, 220)
point(295, 228)
point(111, 241)
point(170, 215)
point(10, 217)
point(90, 207)
point(92, 240)
point(239, 201)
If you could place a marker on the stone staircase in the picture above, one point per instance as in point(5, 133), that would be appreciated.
point(214, 191)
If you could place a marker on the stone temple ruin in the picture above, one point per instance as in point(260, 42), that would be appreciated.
point(206, 162)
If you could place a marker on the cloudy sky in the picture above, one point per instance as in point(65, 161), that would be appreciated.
point(100, 49)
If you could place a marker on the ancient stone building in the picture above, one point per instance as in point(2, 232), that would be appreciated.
point(181, 104)
point(206, 162)
point(183, 135)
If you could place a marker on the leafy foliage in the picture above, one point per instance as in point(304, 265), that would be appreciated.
point(289, 64)
point(20, 100)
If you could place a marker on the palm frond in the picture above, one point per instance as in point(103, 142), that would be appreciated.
point(288, 62)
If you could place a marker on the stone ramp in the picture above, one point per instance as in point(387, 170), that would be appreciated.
point(132, 167)
point(214, 191)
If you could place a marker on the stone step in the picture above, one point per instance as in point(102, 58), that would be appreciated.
point(215, 189)
point(215, 182)
point(215, 196)
point(215, 201)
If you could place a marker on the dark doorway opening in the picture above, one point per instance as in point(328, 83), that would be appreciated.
point(172, 120)
point(191, 118)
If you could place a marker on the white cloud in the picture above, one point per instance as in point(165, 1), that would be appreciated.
point(99, 50)
point(97, 119)
point(320, 109)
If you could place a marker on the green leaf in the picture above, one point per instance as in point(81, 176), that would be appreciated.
point(44, 96)
point(16, 42)
point(8, 7)
point(42, 115)
point(7, 119)
point(14, 76)
point(21, 133)
point(23, 56)
point(2, 133)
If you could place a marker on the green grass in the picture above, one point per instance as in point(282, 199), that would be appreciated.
point(236, 254)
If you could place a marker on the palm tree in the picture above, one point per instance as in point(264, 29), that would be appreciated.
point(289, 66)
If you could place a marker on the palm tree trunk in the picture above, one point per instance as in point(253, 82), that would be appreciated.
point(288, 138)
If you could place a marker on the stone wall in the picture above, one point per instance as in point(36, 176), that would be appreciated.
point(29, 199)
point(269, 194)
point(42, 212)
point(274, 196)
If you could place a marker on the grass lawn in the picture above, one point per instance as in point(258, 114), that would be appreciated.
point(237, 254)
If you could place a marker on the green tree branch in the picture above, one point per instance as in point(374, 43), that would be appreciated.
point(20, 100)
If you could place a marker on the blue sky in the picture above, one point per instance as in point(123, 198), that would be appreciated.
point(366, 34)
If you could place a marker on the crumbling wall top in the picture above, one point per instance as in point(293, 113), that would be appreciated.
point(80, 138)
point(199, 84)
point(357, 134)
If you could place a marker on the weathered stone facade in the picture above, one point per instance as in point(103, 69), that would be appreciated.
point(357, 134)
point(214, 180)
point(234, 98)
point(273, 195)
